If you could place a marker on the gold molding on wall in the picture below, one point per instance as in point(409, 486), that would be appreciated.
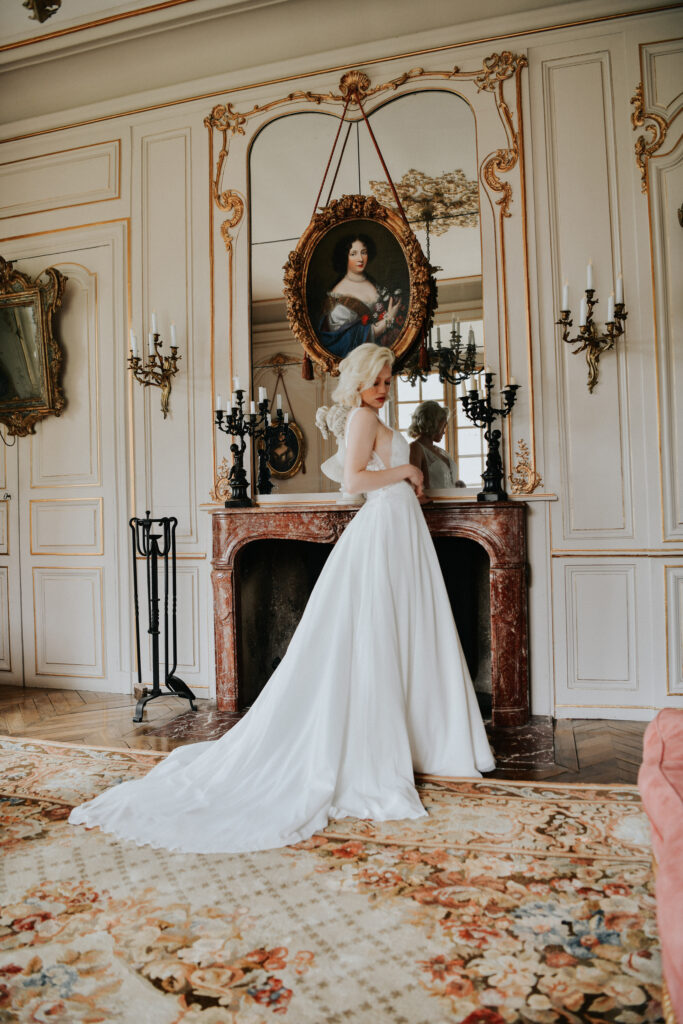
point(646, 149)
point(669, 691)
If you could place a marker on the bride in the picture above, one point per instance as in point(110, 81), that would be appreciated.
point(373, 686)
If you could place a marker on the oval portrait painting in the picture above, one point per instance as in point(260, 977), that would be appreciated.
point(356, 279)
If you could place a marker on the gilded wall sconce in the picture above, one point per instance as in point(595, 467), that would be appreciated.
point(159, 370)
point(589, 339)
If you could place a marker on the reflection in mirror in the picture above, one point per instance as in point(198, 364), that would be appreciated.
point(30, 357)
point(428, 140)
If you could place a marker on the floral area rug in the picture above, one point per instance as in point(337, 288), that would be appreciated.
point(512, 902)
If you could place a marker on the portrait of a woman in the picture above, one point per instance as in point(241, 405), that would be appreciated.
point(358, 309)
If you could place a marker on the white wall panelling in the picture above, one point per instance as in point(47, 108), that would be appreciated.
point(5, 652)
point(666, 190)
point(69, 177)
point(674, 628)
point(582, 192)
point(4, 528)
point(166, 219)
point(68, 622)
point(64, 526)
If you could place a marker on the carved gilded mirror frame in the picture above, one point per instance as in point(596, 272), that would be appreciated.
point(30, 355)
point(225, 124)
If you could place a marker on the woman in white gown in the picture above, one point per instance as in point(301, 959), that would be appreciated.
point(373, 686)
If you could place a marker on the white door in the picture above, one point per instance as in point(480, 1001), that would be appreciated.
point(71, 484)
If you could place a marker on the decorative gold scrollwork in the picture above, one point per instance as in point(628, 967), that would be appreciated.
point(524, 478)
point(646, 148)
point(221, 488)
point(355, 84)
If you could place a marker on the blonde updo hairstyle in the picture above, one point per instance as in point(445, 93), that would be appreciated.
point(427, 419)
point(357, 372)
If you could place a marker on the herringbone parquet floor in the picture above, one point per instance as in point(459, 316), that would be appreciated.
point(570, 750)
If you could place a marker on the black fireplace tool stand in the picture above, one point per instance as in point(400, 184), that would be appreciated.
point(154, 540)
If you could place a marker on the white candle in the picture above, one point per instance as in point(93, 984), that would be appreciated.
point(487, 369)
point(457, 327)
point(233, 400)
point(463, 389)
point(219, 402)
point(262, 394)
point(236, 384)
point(286, 417)
point(155, 322)
point(470, 336)
point(279, 402)
point(583, 312)
point(565, 296)
point(610, 308)
point(620, 288)
point(133, 343)
point(438, 335)
point(589, 274)
point(150, 343)
point(252, 407)
point(453, 322)
point(174, 341)
point(512, 382)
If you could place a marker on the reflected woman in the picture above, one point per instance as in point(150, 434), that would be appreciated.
point(357, 310)
point(427, 426)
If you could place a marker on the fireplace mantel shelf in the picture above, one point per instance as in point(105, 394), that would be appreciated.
point(498, 527)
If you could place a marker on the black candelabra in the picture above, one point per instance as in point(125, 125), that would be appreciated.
point(154, 540)
point(259, 426)
point(482, 413)
point(453, 361)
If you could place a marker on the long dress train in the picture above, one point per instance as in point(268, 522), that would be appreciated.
point(373, 687)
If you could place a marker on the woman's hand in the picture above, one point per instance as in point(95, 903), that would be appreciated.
point(393, 308)
point(415, 478)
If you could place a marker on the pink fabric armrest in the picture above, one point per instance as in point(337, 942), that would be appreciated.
point(660, 781)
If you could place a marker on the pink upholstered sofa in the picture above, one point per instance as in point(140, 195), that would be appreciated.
point(660, 781)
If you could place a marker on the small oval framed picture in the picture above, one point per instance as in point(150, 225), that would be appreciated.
point(357, 275)
point(287, 452)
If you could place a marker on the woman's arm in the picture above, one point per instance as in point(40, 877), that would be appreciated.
point(359, 446)
point(417, 457)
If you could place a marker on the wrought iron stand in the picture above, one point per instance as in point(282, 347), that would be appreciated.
point(152, 547)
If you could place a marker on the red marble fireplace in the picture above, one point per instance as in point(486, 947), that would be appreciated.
point(499, 528)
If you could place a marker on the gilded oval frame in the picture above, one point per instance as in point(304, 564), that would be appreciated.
point(345, 211)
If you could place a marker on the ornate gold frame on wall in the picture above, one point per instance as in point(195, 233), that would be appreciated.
point(38, 300)
point(491, 77)
point(347, 210)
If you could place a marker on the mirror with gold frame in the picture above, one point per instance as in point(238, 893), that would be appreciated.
point(429, 140)
point(30, 355)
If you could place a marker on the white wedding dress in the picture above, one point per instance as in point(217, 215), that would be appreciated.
point(373, 687)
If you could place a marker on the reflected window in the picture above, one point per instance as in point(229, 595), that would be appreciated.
point(462, 440)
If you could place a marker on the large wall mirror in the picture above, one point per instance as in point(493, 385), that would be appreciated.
point(429, 142)
point(30, 356)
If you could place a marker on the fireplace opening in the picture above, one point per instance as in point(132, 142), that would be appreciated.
point(274, 580)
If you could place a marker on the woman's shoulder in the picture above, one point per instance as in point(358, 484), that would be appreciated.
point(365, 421)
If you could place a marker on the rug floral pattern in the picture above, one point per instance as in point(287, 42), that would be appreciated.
point(529, 903)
